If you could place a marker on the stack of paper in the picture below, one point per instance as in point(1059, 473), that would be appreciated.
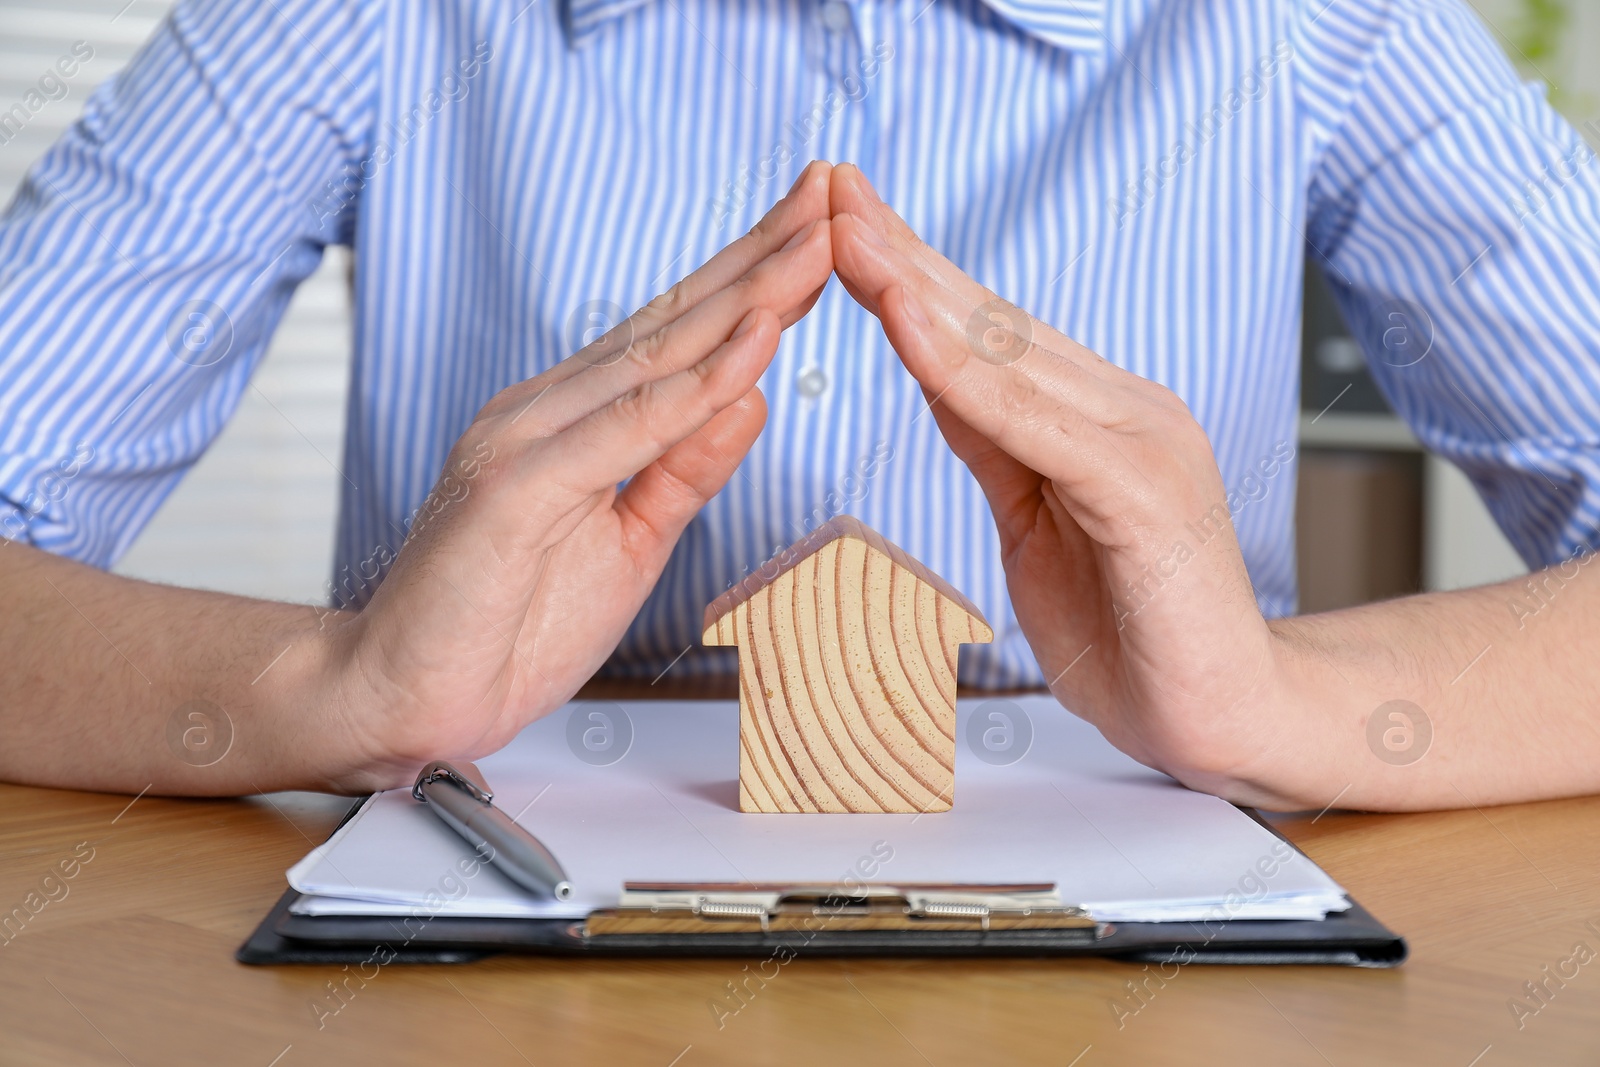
point(1125, 842)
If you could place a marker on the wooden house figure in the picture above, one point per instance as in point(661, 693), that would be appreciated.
point(847, 676)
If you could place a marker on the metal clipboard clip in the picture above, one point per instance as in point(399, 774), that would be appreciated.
point(655, 908)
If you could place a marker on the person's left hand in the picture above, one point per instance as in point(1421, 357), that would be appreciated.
point(1117, 543)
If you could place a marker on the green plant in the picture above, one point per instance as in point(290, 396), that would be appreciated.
point(1539, 28)
point(1538, 36)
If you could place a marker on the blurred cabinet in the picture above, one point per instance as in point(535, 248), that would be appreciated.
point(1359, 521)
point(1375, 516)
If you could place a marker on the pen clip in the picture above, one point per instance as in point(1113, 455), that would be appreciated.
point(440, 769)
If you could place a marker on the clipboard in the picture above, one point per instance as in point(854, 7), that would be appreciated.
point(819, 919)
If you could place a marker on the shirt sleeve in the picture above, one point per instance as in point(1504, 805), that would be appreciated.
point(1457, 217)
point(148, 256)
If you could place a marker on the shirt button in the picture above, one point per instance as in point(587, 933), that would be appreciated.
point(811, 382)
point(836, 16)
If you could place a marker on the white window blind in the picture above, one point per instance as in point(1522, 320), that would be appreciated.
point(256, 515)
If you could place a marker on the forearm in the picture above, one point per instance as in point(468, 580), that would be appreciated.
point(1500, 685)
point(121, 685)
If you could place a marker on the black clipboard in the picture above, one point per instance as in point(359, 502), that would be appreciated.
point(1349, 938)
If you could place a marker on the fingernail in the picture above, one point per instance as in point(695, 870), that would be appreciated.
point(866, 186)
point(914, 310)
point(870, 234)
point(746, 324)
point(798, 182)
point(800, 238)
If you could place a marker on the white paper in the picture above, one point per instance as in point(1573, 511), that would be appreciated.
point(1126, 842)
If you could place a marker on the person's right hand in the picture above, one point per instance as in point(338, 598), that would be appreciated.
point(509, 598)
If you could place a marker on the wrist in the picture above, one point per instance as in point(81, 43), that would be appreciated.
point(1273, 748)
point(1303, 762)
point(331, 709)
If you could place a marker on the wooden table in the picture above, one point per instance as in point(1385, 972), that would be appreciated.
point(134, 965)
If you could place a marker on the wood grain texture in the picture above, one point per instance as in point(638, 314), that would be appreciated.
point(847, 676)
point(135, 965)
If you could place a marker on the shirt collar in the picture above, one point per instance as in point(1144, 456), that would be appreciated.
point(584, 17)
point(1075, 25)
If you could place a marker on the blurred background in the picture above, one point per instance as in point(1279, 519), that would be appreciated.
point(1376, 517)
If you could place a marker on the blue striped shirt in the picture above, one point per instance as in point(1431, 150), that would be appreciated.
point(1145, 175)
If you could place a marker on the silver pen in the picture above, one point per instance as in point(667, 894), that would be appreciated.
point(466, 807)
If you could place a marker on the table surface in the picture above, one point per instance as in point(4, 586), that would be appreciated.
point(134, 965)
